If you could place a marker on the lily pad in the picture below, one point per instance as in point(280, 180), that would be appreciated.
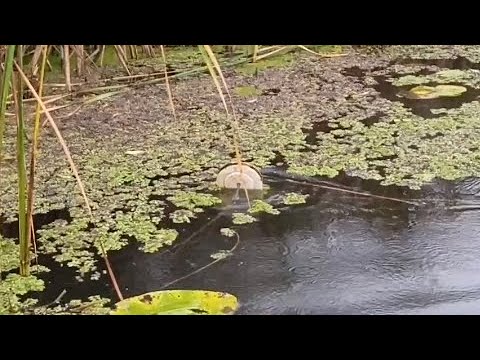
point(422, 92)
point(429, 92)
point(178, 302)
point(247, 91)
point(450, 90)
point(451, 74)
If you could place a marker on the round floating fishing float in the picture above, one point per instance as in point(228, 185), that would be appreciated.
point(242, 176)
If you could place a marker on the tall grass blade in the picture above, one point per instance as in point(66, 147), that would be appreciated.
point(276, 51)
point(4, 91)
point(167, 83)
point(22, 175)
point(80, 51)
point(122, 57)
point(152, 50)
point(133, 51)
point(66, 67)
point(268, 48)
point(34, 154)
point(214, 60)
point(102, 55)
point(49, 51)
point(303, 47)
point(211, 69)
point(147, 50)
point(35, 58)
point(75, 172)
point(255, 53)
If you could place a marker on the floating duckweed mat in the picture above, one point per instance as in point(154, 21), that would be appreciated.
point(384, 151)
point(449, 76)
point(435, 52)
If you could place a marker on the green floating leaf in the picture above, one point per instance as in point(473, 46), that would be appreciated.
point(190, 200)
point(182, 216)
point(247, 91)
point(227, 232)
point(240, 219)
point(178, 302)
point(451, 75)
point(294, 198)
point(8, 255)
point(422, 92)
point(429, 92)
point(261, 206)
point(450, 90)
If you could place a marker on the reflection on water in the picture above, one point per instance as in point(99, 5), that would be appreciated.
point(334, 255)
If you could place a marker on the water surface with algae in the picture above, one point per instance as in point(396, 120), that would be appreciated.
point(303, 249)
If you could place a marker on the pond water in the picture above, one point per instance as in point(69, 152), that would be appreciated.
point(336, 254)
point(340, 253)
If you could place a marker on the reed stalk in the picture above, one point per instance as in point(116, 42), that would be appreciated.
point(4, 91)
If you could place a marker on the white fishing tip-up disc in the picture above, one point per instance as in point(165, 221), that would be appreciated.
point(232, 175)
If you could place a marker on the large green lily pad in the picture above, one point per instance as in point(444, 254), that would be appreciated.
point(430, 92)
point(449, 90)
point(178, 302)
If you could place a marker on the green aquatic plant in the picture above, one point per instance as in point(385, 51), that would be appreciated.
point(259, 206)
point(435, 52)
point(178, 302)
point(278, 61)
point(94, 305)
point(192, 200)
point(182, 216)
point(391, 143)
point(429, 92)
point(13, 287)
point(144, 230)
point(227, 232)
point(449, 90)
point(450, 76)
point(241, 219)
point(8, 255)
point(247, 91)
point(295, 198)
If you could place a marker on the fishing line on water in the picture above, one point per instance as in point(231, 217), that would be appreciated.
point(230, 253)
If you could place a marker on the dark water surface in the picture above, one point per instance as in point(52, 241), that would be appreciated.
point(337, 254)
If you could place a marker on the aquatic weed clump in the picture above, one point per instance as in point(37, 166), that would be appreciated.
point(468, 77)
point(434, 52)
point(14, 287)
point(444, 147)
